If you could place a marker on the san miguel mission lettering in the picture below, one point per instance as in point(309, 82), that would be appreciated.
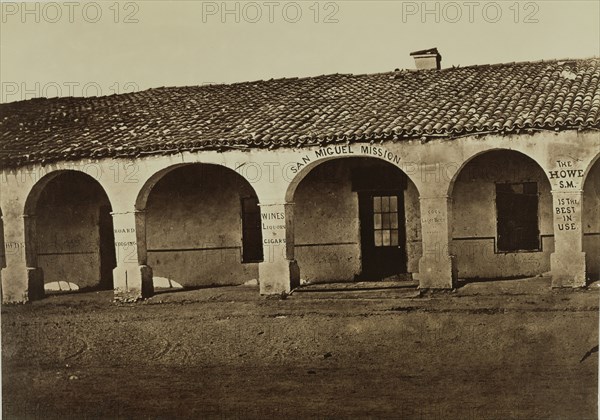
point(333, 151)
point(346, 150)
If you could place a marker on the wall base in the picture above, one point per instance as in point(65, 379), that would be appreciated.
point(133, 283)
point(438, 272)
point(22, 284)
point(278, 277)
point(568, 270)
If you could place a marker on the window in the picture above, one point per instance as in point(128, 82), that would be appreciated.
point(517, 212)
point(385, 220)
point(252, 250)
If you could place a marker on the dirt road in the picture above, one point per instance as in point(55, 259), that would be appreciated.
point(499, 350)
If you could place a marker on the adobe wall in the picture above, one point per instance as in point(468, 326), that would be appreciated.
point(474, 234)
point(591, 222)
point(68, 245)
point(412, 215)
point(431, 165)
point(327, 225)
point(67, 230)
point(2, 248)
point(193, 227)
point(327, 229)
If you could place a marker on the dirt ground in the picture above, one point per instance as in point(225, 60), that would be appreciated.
point(495, 350)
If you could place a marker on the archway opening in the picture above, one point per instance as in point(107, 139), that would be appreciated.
point(356, 219)
point(502, 217)
point(73, 233)
point(591, 222)
point(202, 228)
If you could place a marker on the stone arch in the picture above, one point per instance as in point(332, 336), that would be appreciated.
point(478, 153)
point(69, 231)
point(589, 168)
point(305, 170)
point(334, 219)
point(491, 238)
point(34, 193)
point(144, 192)
point(202, 225)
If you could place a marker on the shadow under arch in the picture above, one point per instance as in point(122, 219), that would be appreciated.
point(480, 153)
point(2, 250)
point(591, 219)
point(355, 218)
point(589, 168)
point(502, 216)
point(201, 226)
point(144, 192)
point(304, 171)
point(69, 231)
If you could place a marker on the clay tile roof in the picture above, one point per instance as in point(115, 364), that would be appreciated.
point(294, 112)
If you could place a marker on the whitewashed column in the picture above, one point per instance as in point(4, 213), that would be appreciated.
point(22, 280)
point(567, 262)
point(132, 277)
point(279, 272)
point(437, 267)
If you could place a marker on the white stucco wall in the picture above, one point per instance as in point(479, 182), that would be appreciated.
point(2, 247)
point(327, 225)
point(431, 165)
point(591, 222)
point(67, 230)
point(412, 214)
point(475, 223)
point(194, 229)
point(327, 229)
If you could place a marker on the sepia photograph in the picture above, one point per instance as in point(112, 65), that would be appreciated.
point(305, 209)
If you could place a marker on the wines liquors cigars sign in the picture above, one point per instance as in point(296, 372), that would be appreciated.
point(274, 222)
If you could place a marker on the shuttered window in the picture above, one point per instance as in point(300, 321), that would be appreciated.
point(517, 216)
point(252, 250)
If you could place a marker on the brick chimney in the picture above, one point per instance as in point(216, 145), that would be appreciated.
point(427, 59)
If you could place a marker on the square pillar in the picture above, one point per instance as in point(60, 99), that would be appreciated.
point(567, 262)
point(132, 277)
point(279, 272)
point(437, 267)
point(22, 280)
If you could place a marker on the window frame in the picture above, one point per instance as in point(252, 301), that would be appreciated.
point(390, 229)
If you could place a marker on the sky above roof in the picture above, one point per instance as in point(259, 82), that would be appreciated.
point(100, 48)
